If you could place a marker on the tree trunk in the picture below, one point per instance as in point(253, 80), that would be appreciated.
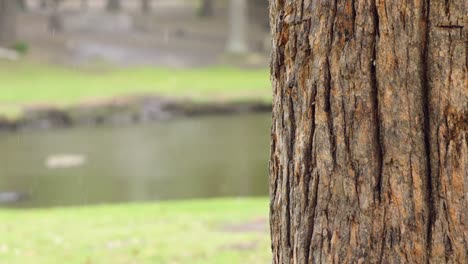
point(84, 5)
point(7, 22)
point(238, 22)
point(22, 4)
point(113, 5)
point(55, 19)
point(207, 8)
point(43, 4)
point(369, 155)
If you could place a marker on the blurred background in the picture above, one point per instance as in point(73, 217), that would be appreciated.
point(134, 131)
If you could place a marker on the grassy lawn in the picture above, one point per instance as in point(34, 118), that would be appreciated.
point(24, 83)
point(213, 231)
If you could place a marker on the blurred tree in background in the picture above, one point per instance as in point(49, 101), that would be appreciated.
point(84, 4)
point(43, 4)
point(113, 5)
point(7, 22)
point(55, 20)
point(238, 22)
point(22, 4)
point(146, 6)
point(207, 8)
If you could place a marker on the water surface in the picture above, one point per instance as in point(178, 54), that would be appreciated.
point(179, 159)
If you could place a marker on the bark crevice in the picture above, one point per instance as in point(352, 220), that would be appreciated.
point(427, 128)
point(329, 84)
point(375, 104)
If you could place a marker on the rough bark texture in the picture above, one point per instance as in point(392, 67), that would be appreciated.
point(7, 22)
point(369, 139)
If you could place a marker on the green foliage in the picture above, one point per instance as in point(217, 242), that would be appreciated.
point(20, 47)
point(167, 232)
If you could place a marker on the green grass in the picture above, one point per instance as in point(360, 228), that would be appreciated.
point(213, 231)
point(25, 83)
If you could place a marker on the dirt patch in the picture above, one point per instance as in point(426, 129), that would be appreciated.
point(241, 246)
point(257, 225)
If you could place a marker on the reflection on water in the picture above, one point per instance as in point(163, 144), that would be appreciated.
point(179, 159)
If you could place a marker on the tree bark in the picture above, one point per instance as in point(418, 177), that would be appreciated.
point(369, 155)
point(7, 22)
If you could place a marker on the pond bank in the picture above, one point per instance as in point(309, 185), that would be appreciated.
point(125, 111)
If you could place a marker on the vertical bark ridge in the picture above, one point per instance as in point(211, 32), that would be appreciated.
point(448, 119)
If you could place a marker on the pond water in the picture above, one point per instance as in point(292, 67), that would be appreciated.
point(179, 159)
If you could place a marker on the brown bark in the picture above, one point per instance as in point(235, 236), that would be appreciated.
point(7, 22)
point(369, 137)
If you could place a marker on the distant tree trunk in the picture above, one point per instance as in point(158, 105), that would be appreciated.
point(207, 8)
point(7, 22)
point(238, 22)
point(22, 4)
point(369, 154)
point(258, 16)
point(84, 4)
point(55, 20)
point(43, 4)
point(146, 6)
point(113, 5)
